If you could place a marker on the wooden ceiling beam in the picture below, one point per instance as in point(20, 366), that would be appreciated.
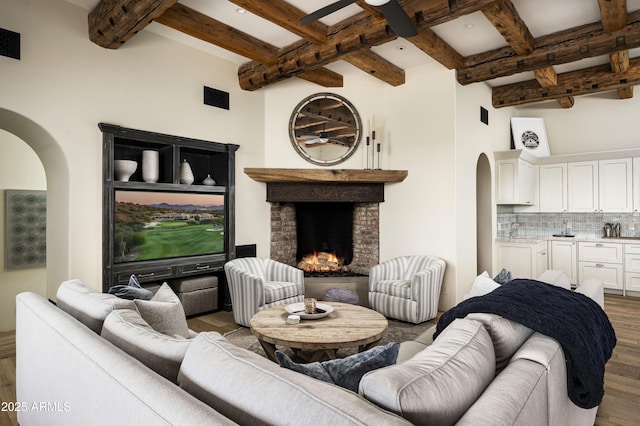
point(286, 16)
point(613, 13)
point(283, 14)
point(347, 37)
point(322, 76)
point(614, 17)
point(437, 48)
point(591, 80)
point(506, 19)
point(547, 77)
point(113, 22)
point(203, 27)
point(571, 45)
point(377, 66)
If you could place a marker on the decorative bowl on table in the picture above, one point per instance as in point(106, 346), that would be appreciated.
point(322, 310)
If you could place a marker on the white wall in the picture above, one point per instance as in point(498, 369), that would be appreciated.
point(597, 122)
point(473, 138)
point(20, 168)
point(67, 85)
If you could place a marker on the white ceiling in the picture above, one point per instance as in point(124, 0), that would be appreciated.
point(468, 35)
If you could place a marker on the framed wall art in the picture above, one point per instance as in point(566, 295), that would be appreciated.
point(25, 229)
point(529, 134)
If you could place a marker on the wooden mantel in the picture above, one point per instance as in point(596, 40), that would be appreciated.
point(325, 175)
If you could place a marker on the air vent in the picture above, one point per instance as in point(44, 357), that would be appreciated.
point(216, 98)
point(9, 44)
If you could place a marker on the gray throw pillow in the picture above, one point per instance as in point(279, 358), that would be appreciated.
point(131, 291)
point(164, 312)
point(348, 371)
point(503, 277)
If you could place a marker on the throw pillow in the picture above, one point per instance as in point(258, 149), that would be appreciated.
point(483, 284)
point(133, 281)
point(128, 292)
point(131, 291)
point(503, 277)
point(164, 312)
point(348, 371)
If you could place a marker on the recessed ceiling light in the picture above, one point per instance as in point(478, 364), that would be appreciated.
point(468, 26)
point(241, 10)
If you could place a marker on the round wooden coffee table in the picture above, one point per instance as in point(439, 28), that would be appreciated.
point(317, 340)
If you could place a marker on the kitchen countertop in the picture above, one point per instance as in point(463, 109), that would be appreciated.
point(535, 240)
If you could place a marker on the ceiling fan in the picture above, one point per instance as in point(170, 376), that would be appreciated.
point(322, 137)
point(397, 18)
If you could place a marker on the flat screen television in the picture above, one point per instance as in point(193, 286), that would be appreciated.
point(165, 225)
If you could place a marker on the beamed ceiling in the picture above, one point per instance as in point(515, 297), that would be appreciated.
point(528, 51)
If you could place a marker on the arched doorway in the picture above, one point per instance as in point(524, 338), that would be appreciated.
point(57, 173)
point(484, 215)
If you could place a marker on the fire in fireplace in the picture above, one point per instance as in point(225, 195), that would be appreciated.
point(324, 237)
point(322, 262)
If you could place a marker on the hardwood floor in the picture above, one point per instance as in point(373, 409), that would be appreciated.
point(620, 405)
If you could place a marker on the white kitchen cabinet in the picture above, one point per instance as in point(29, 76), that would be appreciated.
point(636, 184)
point(542, 260)
point(553, 187)
point(515, 179)
point(632, 267)
point(615, 192)
point(582, 185)
point(603, 261)
point(524, 260)
point(564, 258)
point(600, 186)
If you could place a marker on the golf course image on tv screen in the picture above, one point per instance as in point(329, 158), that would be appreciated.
point(163, 225)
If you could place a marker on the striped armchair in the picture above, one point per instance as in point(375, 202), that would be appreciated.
point(256, 284)
point(407, 288)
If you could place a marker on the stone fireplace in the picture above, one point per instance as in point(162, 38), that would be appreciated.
point(342, 197)
point(365, 249)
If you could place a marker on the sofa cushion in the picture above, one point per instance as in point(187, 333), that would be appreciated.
point(441, 382)
point(126, 329)
point(250, 389)
point(507, 336)
point(279, 290)
point(88, 305)
point(164, 312)
point(345, 372)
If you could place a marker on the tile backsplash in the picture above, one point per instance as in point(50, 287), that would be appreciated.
point(543, 225)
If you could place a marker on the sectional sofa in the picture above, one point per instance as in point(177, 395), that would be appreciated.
point(93, 359)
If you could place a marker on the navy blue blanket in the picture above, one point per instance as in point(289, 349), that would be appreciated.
point(577, 322)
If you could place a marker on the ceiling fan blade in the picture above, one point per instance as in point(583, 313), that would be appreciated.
point(398, 19)
point(327, 10)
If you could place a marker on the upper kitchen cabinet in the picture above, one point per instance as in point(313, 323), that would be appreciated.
point(600, 186)
point(636, 184)
point(516, 178)
point(553, 187)
point(582, 179)
point(615, 185)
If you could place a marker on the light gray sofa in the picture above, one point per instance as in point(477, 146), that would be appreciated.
point(480, 370)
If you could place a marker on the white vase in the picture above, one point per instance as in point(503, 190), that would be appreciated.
point(150, 166)
point(209, 181)
point(186, 174)
point(124, 169)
